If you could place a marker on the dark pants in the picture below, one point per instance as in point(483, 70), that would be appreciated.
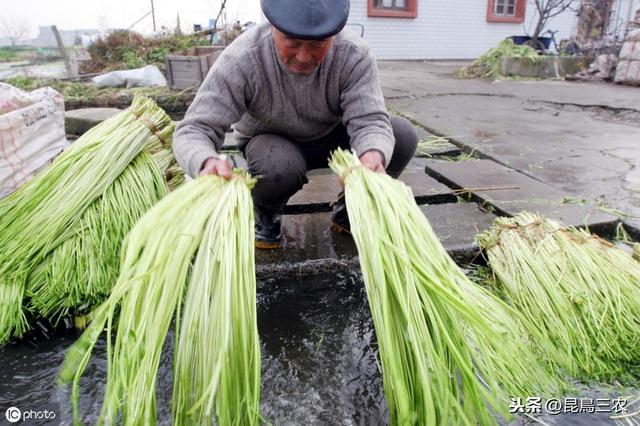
point(283, 163)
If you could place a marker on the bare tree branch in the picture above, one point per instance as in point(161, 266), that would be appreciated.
point(15, 31)
point(547, 9)
point(561, 9)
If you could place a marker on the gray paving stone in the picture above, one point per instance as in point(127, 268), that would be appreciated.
point(456, 225)
point(317, 195)
point(79, 121)
point(509, 192)
point(323, 189)
point(425, 188)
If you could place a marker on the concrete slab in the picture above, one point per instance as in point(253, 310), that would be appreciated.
point(509, 192)
point(426, 190)
point(307, 238)
point(78, 121)
point(315, 196)
point(456, 225)
point(323, 189)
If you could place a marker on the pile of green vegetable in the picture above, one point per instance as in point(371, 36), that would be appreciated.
point(451, 352)
point(488, 65)
point(580, 293)
point(62, 230)
point(217, 353)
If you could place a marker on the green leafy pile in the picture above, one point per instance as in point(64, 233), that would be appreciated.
point(488, 65)
point(62, 230)
point(580, 293)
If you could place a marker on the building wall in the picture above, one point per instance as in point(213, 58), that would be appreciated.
point(47, 39)
point(449, 29)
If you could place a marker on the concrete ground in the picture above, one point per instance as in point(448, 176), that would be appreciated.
point(580, 137)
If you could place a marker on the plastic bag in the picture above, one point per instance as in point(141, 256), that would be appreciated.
point(140, 77)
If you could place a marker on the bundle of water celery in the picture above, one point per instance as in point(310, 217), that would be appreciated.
point(217, 353)
point(451, 352)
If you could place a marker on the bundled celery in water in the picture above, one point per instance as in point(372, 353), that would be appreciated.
point(217, 355)
point(581, 293)
point(77, 275)
point(451, 352)
point(60, 232)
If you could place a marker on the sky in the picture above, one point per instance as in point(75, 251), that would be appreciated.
point(103, 14)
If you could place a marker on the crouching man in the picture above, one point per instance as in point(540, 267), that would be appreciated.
point(296, 88)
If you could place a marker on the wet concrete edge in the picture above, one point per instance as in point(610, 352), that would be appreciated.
point(604, 229)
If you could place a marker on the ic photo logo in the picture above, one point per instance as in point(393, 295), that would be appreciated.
point(28, 417)
point(13, 414)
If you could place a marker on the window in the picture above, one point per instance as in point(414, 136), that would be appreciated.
point(390, 4)
point(504, 8)
point(510, 11)
point(393, 8)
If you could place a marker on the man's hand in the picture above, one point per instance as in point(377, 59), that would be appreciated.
point(373, 160)
point(217, 166)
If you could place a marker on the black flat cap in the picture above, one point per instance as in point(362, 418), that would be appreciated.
point(307, 19)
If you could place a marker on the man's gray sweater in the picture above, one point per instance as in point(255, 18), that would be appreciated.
point(248, 85)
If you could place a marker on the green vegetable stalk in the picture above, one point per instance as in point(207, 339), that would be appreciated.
point(217, 354)
point(62, 229)
point(451, 352)
point(580, 293)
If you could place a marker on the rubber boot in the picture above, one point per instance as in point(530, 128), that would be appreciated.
point(340, 217)
point(268, 229)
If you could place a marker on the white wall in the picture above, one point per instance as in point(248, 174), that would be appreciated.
point(446, 29)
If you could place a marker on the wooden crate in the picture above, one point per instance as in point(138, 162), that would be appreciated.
point(191, 68)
